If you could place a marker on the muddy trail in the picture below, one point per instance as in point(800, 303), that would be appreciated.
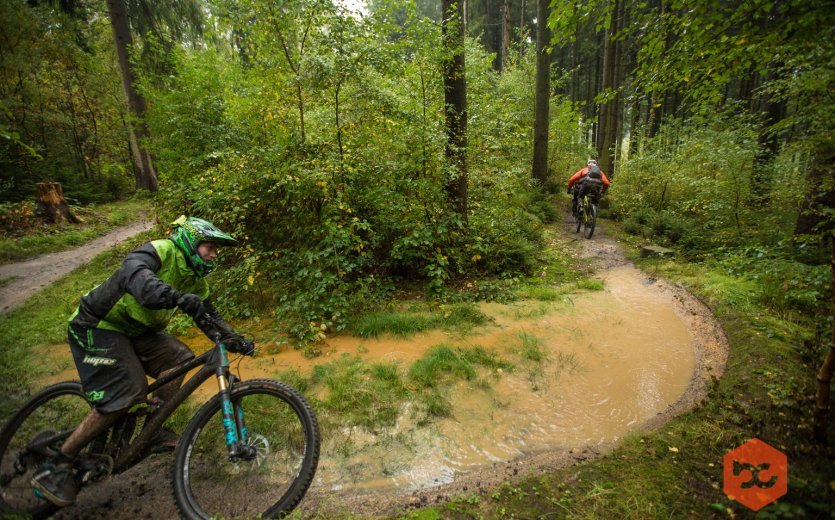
point(624, 359)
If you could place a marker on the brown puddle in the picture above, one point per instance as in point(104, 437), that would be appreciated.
point(613, 360)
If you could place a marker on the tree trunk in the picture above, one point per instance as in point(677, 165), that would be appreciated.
point(455, 99)
point(52, 205)
point(504, 45)
point(608, 110)
point(820, 198)
point(543, 94)
point(143, 167)
point(821, 426)
point(768, 140)
point(521, 32)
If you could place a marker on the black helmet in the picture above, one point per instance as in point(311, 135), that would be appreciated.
point(188, 234)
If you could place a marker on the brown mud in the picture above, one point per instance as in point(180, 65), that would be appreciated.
point(625, 359)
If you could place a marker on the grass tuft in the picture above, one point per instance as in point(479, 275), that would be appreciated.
point(457, 316)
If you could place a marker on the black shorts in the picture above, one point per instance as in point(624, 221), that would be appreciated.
point(112, 366)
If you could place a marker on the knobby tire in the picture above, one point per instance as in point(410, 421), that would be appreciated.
point(590, 220)
point(57, 408)
point(280, 424)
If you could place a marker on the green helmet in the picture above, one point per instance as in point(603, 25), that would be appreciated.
point(188, 234)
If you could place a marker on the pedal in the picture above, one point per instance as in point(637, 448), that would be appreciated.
point(95, 467)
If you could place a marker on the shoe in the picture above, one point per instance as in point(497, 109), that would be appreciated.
point(56, 482)
point(164, 440)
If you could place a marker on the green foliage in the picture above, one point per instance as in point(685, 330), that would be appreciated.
point(783, 284)
point(443, 363)
point(455, 316)
point(329, 163)
point(61, 105)
point(531, 347)
point(441, 360)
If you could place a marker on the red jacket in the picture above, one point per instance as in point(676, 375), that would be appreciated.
point(582, 173)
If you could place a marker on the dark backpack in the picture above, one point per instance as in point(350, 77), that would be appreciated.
point(594, 172)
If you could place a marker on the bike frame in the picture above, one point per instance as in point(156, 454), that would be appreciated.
point(587, 203)
point(213, 361)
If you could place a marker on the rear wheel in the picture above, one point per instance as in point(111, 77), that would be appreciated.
point(30, 437)
point(283, 436)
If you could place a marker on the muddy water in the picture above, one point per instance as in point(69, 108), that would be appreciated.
point(612, 360)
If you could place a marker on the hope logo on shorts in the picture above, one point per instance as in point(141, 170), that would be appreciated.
point(96, 360)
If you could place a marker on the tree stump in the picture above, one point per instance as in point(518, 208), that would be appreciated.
point(52, 205)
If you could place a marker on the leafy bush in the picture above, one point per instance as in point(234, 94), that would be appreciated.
point(783, 283)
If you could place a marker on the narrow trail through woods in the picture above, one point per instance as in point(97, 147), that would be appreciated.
point(29, 277)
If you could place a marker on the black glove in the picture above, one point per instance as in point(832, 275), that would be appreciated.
point(191, 304)
point(238, 344)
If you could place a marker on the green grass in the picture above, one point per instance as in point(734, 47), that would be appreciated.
point(440, 361)
point(590, 284)
point(460, 317)
point(360, 394)
point(42, 239)
point(543, 293)
point(531, 347)
point(42, 320)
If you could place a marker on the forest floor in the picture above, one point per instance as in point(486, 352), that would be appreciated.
point(145, 491)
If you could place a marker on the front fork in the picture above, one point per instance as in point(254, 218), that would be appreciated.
point(232, 413)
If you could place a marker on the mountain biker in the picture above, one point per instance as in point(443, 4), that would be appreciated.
point(590, 179)
point(117, 336)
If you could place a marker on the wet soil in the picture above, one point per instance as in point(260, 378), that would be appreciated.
point(145, 491)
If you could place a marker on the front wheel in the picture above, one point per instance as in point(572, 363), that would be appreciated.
point(590, 221)
point(31, 436)
point(283, 435)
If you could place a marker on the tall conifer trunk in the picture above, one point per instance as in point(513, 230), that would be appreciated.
point(504, 45)
point(455, 100)
point(543, 94)
point(607, 116)
point(143, 166)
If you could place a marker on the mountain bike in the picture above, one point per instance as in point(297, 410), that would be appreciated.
point(586, 214)
point(249, 451)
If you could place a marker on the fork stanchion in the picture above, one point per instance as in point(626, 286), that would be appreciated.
point(227, 411)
